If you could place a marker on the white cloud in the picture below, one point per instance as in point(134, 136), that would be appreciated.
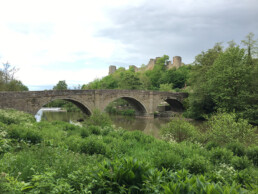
point(76, 40)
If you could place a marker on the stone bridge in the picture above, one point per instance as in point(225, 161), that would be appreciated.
point(144, 102)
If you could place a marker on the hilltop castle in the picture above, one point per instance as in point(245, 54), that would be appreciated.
point(177, 62)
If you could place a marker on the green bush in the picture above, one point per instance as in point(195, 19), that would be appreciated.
point(33, 136)
point(197, 164)
point(48, 183)
point(93, 146)
point(179, 130)
point(74, 143)
point(120, 176)
point(211, 144)
point(84, 132)
point(248, 178)
point(252, 154)
point(98, 119)
point(106, 130)
point(4, 141)
point(10, 116)
point(96, 130)
point(221, 155)
point(223, 173)
point(237, 148)
point(240, 163)
point(225, 128)
point(198, 184)
point(28, 134)
point(168, 160)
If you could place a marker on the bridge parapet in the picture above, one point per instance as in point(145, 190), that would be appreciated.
point(145, 102)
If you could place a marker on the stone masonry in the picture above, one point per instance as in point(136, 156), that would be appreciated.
point(177, 62)
point(144, 102)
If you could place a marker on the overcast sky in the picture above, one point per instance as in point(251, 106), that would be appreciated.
point(77, 40)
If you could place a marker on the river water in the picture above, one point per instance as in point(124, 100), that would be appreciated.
point(149, 126)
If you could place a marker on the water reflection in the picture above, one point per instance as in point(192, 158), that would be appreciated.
point(149, 126)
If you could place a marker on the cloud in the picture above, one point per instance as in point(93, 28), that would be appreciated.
point(77, 40)
point(181, 27)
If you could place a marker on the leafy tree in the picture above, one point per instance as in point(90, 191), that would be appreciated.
point(224, 80)
point(229, 80)
point(129, 81)
point(200, 101)
point(157, 72)
point(7, 80)
point(251, 44)
point(16, 85)
point(166, 87)
point(61, 85)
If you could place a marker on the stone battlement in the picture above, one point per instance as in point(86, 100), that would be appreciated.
point(177, 62)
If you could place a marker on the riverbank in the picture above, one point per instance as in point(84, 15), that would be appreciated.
point(59, 157)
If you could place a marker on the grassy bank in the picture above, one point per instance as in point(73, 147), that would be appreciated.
point(59, 157)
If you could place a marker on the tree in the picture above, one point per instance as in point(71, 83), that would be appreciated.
point(156, 74)
point(228, 83)
point(129, 81)
point(200, 101)
point(8, 81)
point(229, 80)
point(61, 85)
point(251, 44)
point(8, 72)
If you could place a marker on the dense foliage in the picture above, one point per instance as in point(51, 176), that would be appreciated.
point(159, 78)
point(59, 157)
point(224, 80)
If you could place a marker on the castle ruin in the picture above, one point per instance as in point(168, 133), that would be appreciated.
point(177, 62)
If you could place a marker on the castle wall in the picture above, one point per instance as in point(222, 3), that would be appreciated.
point(112, 69)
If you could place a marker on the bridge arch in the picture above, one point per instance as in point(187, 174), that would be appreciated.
point(82, 106)
point(139, 107)
point(175, 105)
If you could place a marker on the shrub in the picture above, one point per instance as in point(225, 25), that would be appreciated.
point(4, 142)
point(106, 130)
point(33, 136)
point(93, 146)
point(196, 164)
point(225, 128)
point(10, 116)
point(28, 134)
point(198, 184)
point(211, 145)
point(84, 132)
point(248, 178)
point(98, 119)
point(223, 173)
point(221, 155)
point(179, 130)
point(96, 130)
point(240, 163)
point(252, 154)
point(168, 160)
point(237, 148)
point(47, 183)
point(120, 176)
point(70, 127)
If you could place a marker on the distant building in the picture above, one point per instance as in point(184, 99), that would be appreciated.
point(177, 62)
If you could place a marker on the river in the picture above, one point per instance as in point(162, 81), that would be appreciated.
point(149, 126)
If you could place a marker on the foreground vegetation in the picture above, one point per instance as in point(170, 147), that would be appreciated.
point(59, 157)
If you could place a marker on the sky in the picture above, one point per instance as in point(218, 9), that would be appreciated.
point(77, 40)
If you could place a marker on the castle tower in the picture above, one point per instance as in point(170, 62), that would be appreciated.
point(151, 64)
point(112, 69)
point(177, 61)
